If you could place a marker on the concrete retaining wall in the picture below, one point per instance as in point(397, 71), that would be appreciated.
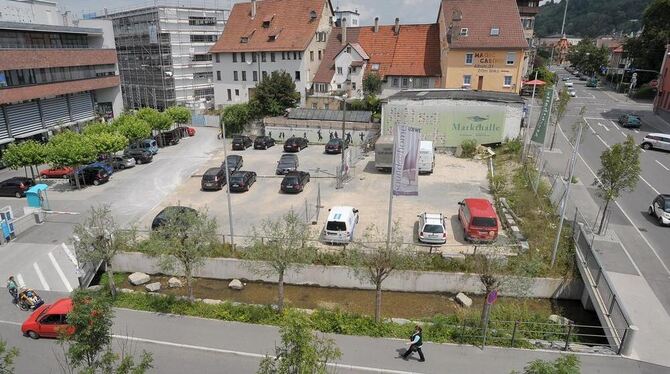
point(343, 277)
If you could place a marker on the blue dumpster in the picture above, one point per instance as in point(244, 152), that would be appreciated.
point(34, 195)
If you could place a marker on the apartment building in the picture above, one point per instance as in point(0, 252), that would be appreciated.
point(163, 54)
point(482, 45)
point(53, 73)
point(270, 35)
point(528, 10)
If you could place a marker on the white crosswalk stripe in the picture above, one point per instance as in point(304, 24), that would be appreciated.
point(70, 255)
point(45, 285)
point(60, 272)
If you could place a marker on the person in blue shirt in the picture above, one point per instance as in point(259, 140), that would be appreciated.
point(416, 341)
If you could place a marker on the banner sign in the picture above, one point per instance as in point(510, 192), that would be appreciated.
point(541, 127)
point(405, 176)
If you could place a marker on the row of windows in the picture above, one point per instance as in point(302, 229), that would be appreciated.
point(21, 39)
point(254, 75)
point(295, 55)
point(507, 80)
point(26, 77)
point(509, 60)
point(202, 21)
point(407, 82)
point(203, 38)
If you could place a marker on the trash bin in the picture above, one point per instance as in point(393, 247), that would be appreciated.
point(34, 195)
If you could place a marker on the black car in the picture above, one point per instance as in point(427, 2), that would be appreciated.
point(141, 156)
point(213, 179)
point(295, 144)
point(241, 181)
point(287, 163)
point(235, 163)
point(171, 137)
point(294, 181)
point(16, 186)
point(241, 142)
point(336, 146)
point(88, 175)
point(263, 142)
point(161, 217)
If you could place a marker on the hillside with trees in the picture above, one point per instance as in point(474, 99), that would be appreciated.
point(591, 18)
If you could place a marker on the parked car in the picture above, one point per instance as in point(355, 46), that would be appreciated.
point(49, 320)
point(213, 179)
point(61, 172)
point(656, 141)
point(479, 220)
point(241, 142)
point(295, 181)
point(593, 82)
point(235, 163)
point(16, 186)
point(630, 120)
point(122, 162)
point(190, 130)
point(569, 84)
point(566, 78)
point(263, 142)
point(141, 156)
point(146, 145)
point(163, 215)
point(431, 228)
point(241, 181)
point(660, 208)
point(583, 77)
point(171, 137)
point(88, 175)
point(340, 225)
point(336, 146)
point(103, 164)
point(286, 163)
point(295, 144)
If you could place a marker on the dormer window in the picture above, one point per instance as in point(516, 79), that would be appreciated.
point(245, 38)
point(349, 50)
point(312, 15)
point(375, 67)
point(267, 20)
point(274, 35)
point(464, 31)
point(495, 31)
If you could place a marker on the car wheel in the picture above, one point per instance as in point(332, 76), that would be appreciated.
point(660, 221)
point(265, 147)
point(33, 335)
point(138, 162)
point(651, 211)
point(121, 167)
point(647, 146)
point(96, 182)
point(18, 195)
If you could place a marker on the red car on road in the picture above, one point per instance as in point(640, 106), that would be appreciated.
point(49, 320)
point(62, 172)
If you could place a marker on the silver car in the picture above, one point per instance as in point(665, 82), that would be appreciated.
point(122, 162)
point(287, 162)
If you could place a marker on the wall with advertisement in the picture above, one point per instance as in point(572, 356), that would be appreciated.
point(449, 122)
point(486, 70)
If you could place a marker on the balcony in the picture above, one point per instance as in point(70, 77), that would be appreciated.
point(529, 10)
point(13, 59)
point(12, 95)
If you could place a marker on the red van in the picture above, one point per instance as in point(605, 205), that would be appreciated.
point(48, 320)
point(479, 220)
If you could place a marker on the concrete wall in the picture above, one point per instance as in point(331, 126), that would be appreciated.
point(343, 277)
point(38, 12)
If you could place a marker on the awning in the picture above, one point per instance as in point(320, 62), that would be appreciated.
point(535, 82)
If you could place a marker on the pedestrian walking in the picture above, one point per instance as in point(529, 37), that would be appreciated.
point(348, 137)
point(416, 341)
point(331, 135)
point(304, 135)
point(318, 133)
point(360, 134)
point(336, 137)
point(13, 289)
point(270, 134)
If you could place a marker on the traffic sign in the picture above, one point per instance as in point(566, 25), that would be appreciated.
point(634, 75)
point(492, 296)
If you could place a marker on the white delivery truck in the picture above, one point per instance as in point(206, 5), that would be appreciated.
point(426, 157)
point(384, 153)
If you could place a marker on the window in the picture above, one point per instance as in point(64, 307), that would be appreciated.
point(243, 56)
point(297, 76)
point(218, 75)
point(203, 38)
point(218, 59)
point(511, 57)
point(495, 31)
point(237, 92)
point(313, 105)
point(253, 57)
point(295, 55)
point(375, 67)
point(395, 82)
point(234, 56)
point(348, 49)
point(464, 31)
point(202, 57)
point(469, 58)
point(466, 80)
point(339, 70)
point(254, 76)
point(321, 36)
point(202, 21)
point(203, 75)
point(235, 76)
point(230, 96)
point(319, 55)
point(244, 40)
point(311, 55)
point(272, 56)
point(354, 22)
point(299, 55)
point(353, 85)
point(244, 76)
point(339, 86)
point(265, 74)
point(288, 55)
point(263, 57)
point(405, 83)
point(508, 81)
point(283, 55)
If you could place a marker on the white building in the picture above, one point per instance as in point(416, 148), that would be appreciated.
point(351, 17)
point(266, 36)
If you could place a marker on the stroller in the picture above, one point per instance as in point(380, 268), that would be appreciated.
point(29, 299)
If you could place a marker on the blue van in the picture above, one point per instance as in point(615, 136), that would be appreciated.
point(146, 145)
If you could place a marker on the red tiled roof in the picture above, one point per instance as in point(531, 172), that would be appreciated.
point(415, 51)
point(292, 17)
point(479, 16)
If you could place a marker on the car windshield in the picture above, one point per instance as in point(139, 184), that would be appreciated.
point(433, 229)
point(484, 222)
point(667, 206)
point(237, 179)
point(333, 142)
point(286, 163)
point(238, 139)
point(291, 180)
point(336, 226)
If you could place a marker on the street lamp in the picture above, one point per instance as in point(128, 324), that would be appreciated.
point(343, 99)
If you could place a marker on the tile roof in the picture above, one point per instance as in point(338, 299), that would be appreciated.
point(290, 17)
point(415, 51)
point(479, 17)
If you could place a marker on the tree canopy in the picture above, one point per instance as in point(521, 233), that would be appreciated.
point(159, 121)
point(647, 50)
point(372, 84)
point(236, 117)
point(28, 153)
point(131, 127)
point(587, 57)
point(275, 94)
point(106, 143)
point(70, 149)
point(179, 114)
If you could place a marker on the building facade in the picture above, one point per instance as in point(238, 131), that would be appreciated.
point(163, 55)
point(348, 18)
point(53, 75)
point(528, 10)
point(662, 100)
point(262, 37)
point(482, 45)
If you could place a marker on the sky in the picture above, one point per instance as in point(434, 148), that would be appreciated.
point(409, 11)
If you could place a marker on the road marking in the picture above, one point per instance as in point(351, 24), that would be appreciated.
point(60, 272)
point(19, 279)
point(45, 285)
point(601, 139)
point(70, 255)
point(606, 128)
point(11, 323)
point(663, 166)
point(249, 354)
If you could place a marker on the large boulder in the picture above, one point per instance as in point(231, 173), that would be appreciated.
point(174, 283)
point(236, 284)
point(95, 288)
point(153, 287)
point(463, 300)
point(138, 278)
point(555, 318)
point(212, 301)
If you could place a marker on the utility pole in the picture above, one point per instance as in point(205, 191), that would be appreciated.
point(230, 206)
point(565, 13)
point(530, 118)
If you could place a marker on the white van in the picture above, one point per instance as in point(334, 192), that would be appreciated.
point(340, 225)
point(426, 157)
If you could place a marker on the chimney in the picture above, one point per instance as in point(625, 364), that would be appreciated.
point(376, 24)
point(344, 30)
point(396, 28)
point(253, 9)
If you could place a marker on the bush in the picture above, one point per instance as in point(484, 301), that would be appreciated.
point(468, 148)
point(645, 92)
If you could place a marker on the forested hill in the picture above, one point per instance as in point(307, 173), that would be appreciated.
point(591, 18)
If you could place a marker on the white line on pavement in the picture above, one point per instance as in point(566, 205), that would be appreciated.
point(45, 285)
point(605, 126)
point(11, 323)
point(60, 272)
point(601, 139)
point(636, 131)
point(19, 279)
point(663, 166)
point(70, 255)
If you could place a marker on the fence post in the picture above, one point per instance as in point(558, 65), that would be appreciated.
point(516, 325)
point(567, 338)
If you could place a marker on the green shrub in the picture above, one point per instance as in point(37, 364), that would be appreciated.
point(468, 148)
point(645, 92)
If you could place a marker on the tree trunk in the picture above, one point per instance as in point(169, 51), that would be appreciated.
point(110, 279)
point(485, 311)
point(602, 219)
point(189, 283)
point(378, 302)
point(280, 293)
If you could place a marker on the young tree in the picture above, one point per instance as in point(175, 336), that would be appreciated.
point(179, 114)
point(25, 154)
point(236, 117)
point(183, 241)
point(301, 351)
point(278, 246)
point(157, 121)
point(132, 128)
point(372, 84)
point(560, 108)
point(568, 364)
point(98, 128)
point(619, 172)
point(275, 94)
point(374, 260)
point(70, 149)
point(107, 143)
point(99, 238)
point(88, 344)
point(7, 357)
